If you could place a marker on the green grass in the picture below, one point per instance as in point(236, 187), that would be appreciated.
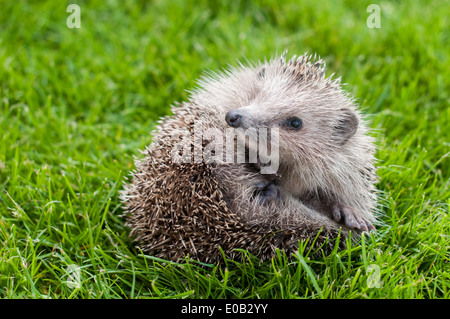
point(77, 104)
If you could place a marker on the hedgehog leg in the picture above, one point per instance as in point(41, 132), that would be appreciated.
point(350, 217)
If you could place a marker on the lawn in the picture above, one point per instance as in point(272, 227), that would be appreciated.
point(77, 104)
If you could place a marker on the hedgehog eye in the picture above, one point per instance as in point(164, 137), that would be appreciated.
point(295, 123)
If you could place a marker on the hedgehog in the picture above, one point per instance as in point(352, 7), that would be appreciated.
point(261, 157)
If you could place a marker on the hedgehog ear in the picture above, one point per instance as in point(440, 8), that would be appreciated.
point(346, 126)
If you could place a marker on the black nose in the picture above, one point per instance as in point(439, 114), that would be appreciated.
point(233, 118)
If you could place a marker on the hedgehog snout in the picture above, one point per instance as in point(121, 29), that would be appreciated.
point(233, 118)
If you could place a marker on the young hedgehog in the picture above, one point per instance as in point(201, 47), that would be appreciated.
point(321, 184)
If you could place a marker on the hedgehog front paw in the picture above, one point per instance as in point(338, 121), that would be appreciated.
point(351, 218)
point(267, 191)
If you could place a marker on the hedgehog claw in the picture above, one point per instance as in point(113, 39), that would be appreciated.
point(351, 218)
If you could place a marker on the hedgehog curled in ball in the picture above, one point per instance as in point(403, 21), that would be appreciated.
point(178, 203)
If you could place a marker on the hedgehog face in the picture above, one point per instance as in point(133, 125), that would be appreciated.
point(312, 114)
point(311, 119)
